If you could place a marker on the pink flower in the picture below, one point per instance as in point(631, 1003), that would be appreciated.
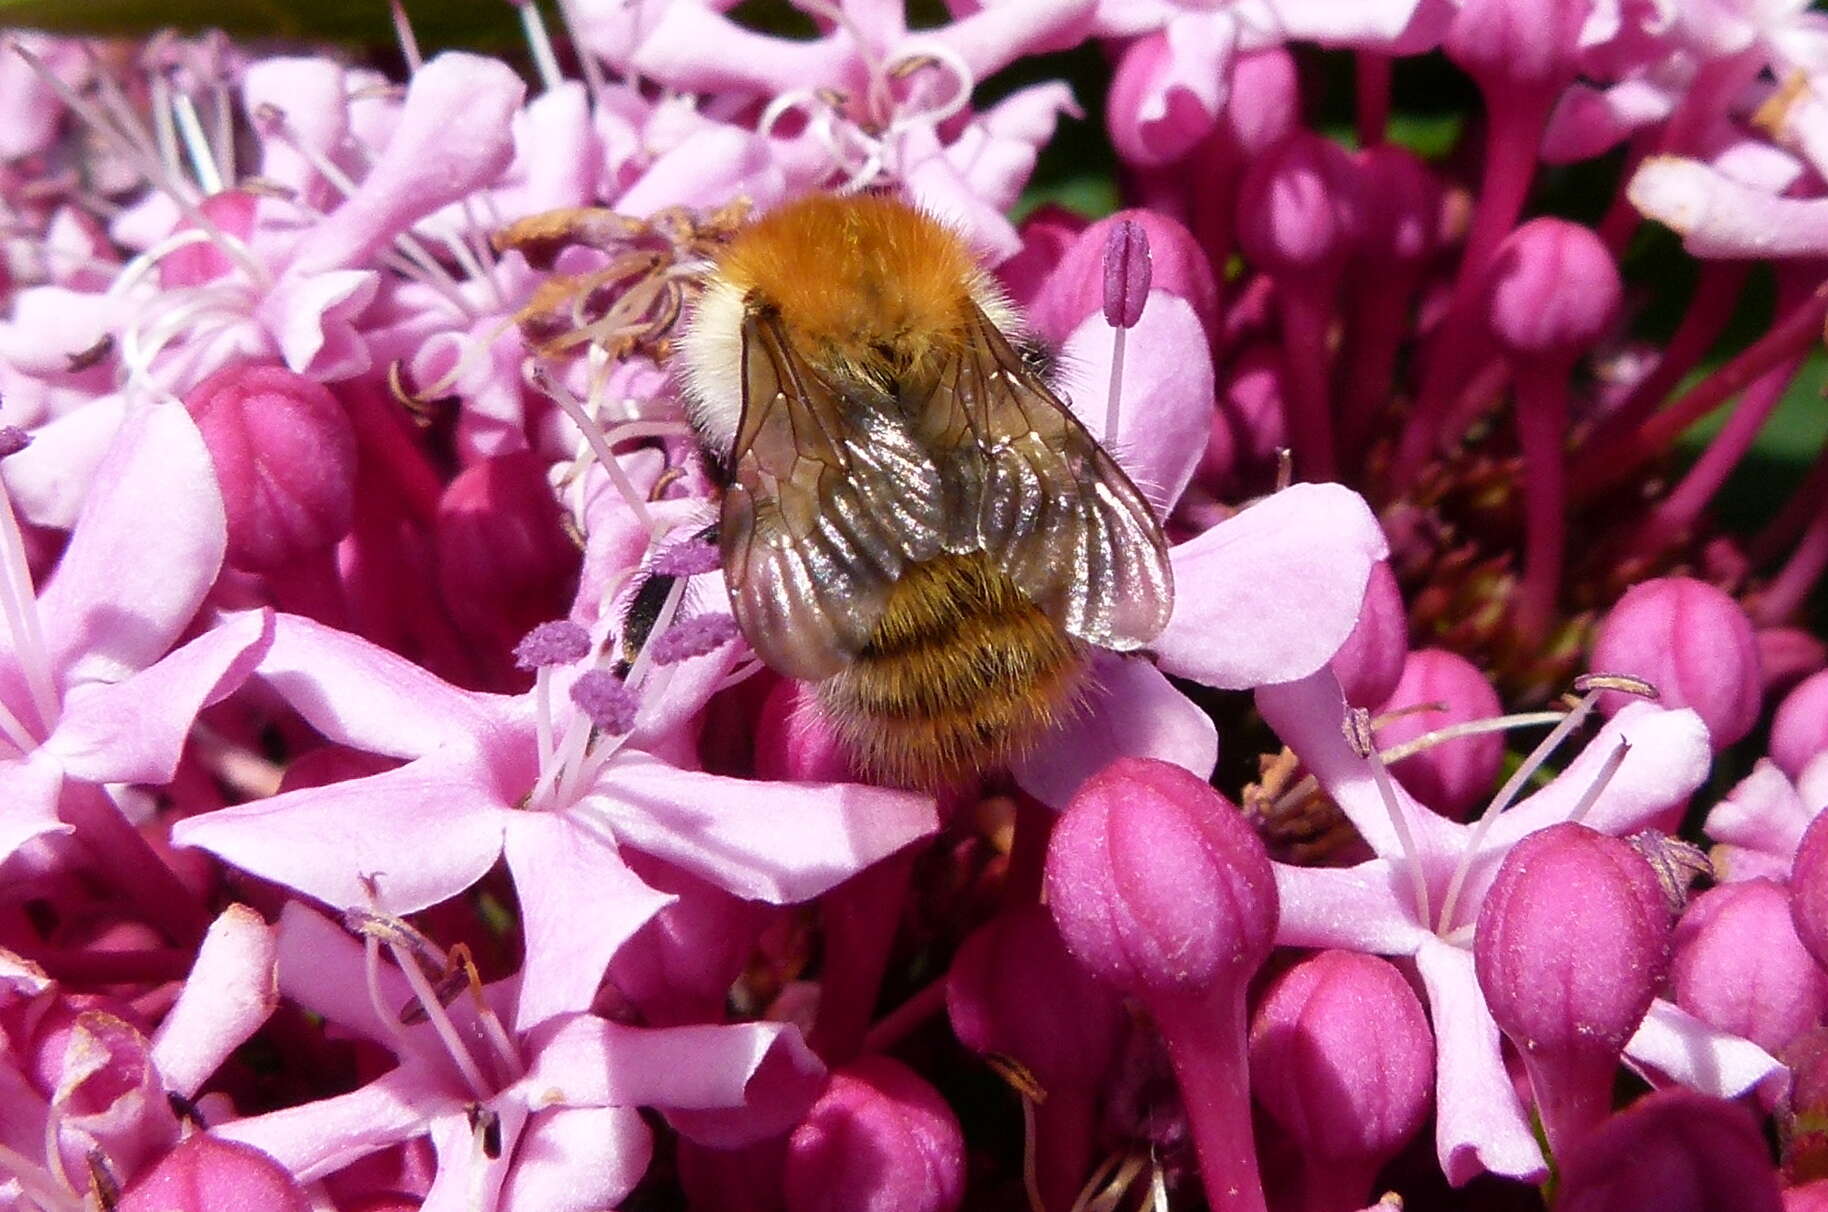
point(487, 776)
point(530, 1120)
point(1421, 896)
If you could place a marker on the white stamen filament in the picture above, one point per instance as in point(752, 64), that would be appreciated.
point(409, 41)
point(542, 381)
point(388, 1017)
point(1509, 792)
point(507, 1056)
point(441, 1022)
point(540, 42)
point(133, 145)
point(196, 144)
point(1114, 397)
point(38, 1183)
point(593, 74)
point(1595, 789)
point(1399, 820)
point(20, 600)
point(583, 773)
point(164, 131)
point(223, 142)
point(542, 714)
point(936, 54)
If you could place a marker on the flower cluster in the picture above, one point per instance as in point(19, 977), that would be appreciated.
point(396, 816)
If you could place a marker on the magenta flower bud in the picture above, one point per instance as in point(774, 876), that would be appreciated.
point(1809, 889)
point(1248, 427)
point(1452, 776)
point(505, 563)
point(796, 741)
point(1399, 208)
point(878, 1140)
point(1694, 644)
point(1161, 888)
point(732, 1180)
point(1370, 662)
point(1126, 273)
point(1520, 41)
point(1788, 656)
point(1810, 1197)
point(1572, 943)
point(1047, 234)
point(678, 968)
point(1078, 285)
point(1068, 1039)
point(1342, 1058)
point(1739, 965)
point(1553, 291)
point(232, 211)
point(1297, 206)
point(285, 456)
point(1265, 101)
point(205, 1174)
point(1673, 1151)
point(1799, 731)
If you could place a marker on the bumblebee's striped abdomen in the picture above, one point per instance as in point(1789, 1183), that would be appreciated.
point(961, 673)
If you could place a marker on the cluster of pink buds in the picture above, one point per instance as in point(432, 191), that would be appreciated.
point(399, 810)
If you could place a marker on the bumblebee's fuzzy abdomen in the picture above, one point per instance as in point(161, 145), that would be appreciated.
point(961, 673)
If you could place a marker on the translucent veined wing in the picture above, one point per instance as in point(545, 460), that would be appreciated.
point(1053, 509)
point(829, 500)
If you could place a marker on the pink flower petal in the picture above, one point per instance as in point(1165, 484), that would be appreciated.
point(1761, 820)
point(1678, 1046)
point(1269, 595)
point(230, 992)
point(698, 50)
point(1130, 710)
point(453, 137)
point(50, 478)
point(564, 873)
point(310, 944)
point(313, 319)
point(996, 35)
point(717, 163)
point(1667, 760)
point(996, 155)
point(134, 731)
point(1404, 26)
point(207, 1174)
point(361, 695)
point(313, 95)
point(587, 1061)
point(1166, 398)
point(1717, 216)
point(776, 842)
point(468, 1178)
point(1170, 87)
point(410, 837)
point(32, 787)
point(1479, 1122)
point(321, 1137)
point(144, 552)
point(1366, 908)
point(577, 1159)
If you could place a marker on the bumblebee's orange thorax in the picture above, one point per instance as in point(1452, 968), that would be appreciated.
point(863, 282)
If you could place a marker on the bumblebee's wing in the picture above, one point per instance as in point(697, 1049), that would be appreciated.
point(829, 500)
point(1053, 509)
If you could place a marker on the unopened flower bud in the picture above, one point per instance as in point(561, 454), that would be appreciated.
point(1158, 884)
point(878, 1140)
point(1787, 656)
point(1297, 207)
point(1553, 290)
point(1809, 889)
point(1399, 208)
point(796, 741)
point(1527, 42)
point(1161, 888)
point(1452, 776)
point(1370, 663)
point(232, 213)
point(207, 1174)
point(1799, 731)
point(285, 457)
point(505, 562)
point(1342, 1058)
point(1672, 1150)
point(1571, 946)
point(1265, 101)
point(1694, 644)
point(1739, 965)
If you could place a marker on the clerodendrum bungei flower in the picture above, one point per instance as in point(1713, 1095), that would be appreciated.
point(400, 811)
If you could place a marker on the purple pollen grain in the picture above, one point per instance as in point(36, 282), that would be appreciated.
point(693, 637)
point(13, 440)
point(607, 700)
point(688, 560)
point(556, 643)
